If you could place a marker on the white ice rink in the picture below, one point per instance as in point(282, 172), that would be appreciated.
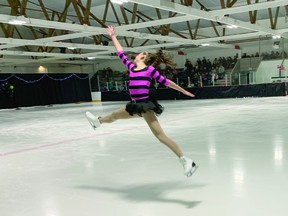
point(52, 163)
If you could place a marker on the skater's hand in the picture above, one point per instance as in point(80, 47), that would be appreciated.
point(111, 31)
point(188, 94)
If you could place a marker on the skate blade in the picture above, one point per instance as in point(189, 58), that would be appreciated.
point(92, 125)
point(192, 172)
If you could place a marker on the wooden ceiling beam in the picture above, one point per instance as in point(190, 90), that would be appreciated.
point(196, 29)
point(158, 13)
point(215, 29)
point(105, 12)
point(132, 40)
point(253, 14)
point(231, 3)
point(14, 12)
point(63, 15)
point(134, 13)
point(133, 19)
point(81, 17)
point(78, 13)
point(124, 15)
point(140, 16)
point(187, 22)
point(23, 7)
point(4, 30)
point(118, 21)
point(92, 15)
point(87, 11)
point(115, 13)
point(44, 9)
point(203, 7)
point(273, 20)
point(5, 33)
point(87, 22)
point(104, 18)
point(61, 18)
point(155, 32)
point(15, 6)
point(167, 27)
point(46, 16)
point(189, 2)
point(19, 34)
point(148, 28)
point(126, 22)
point(228, 3)
point(223, 5)
point(177, 33)
point(190, 30)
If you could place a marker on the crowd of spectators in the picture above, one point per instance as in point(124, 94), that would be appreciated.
point(268, 56)
point(187, 77)
point(204, 70)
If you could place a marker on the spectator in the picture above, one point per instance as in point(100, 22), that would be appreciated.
point(215, 63)
point(209, 65)
point(221, 71)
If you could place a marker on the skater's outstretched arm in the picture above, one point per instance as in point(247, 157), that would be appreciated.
point(169, 83)
point(180, 89)
point(111, 32)
point(119, 48)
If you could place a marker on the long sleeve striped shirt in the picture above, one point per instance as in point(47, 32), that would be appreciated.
point(140, 80)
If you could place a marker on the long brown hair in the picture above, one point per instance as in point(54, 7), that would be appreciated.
point(155, 59)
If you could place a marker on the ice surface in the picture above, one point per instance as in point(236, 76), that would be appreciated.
point(52, 163)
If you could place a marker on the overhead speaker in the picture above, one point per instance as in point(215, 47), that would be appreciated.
point(276, 45)
point(62, 50)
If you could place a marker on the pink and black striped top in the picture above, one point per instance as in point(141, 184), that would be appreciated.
point(140, 80)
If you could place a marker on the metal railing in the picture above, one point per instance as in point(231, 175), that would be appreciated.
point(244, 71)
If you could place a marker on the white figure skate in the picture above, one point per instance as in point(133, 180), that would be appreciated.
point(93, 120)
point(189, 166)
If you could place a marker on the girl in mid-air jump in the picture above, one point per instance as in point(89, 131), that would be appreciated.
point(141, 72)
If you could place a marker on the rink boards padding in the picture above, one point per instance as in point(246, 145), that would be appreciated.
point(211, 92)
point(37, 90)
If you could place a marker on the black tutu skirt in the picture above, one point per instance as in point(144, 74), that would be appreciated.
point(139, 107)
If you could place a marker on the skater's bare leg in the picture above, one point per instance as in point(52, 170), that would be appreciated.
point(116, 115)
point(155, 127)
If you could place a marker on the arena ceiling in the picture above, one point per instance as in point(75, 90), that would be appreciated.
point(74, 31)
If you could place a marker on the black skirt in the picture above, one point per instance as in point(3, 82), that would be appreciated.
point(139, 107)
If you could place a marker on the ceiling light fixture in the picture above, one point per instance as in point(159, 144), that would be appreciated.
point(205, 44)
point(120, 2)
point(91, 57)
point(276, 36)
point(232, 26)
point(17, 22)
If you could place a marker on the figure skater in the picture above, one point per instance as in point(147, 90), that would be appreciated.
point(141, 72)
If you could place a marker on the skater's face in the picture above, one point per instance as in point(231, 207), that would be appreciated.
point(140, 57)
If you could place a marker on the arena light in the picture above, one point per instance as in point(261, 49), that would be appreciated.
point(91, 58)
point(232, 26)
point(17, 22)
point(205, 44)
point(276, 36)
point(120, 2)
